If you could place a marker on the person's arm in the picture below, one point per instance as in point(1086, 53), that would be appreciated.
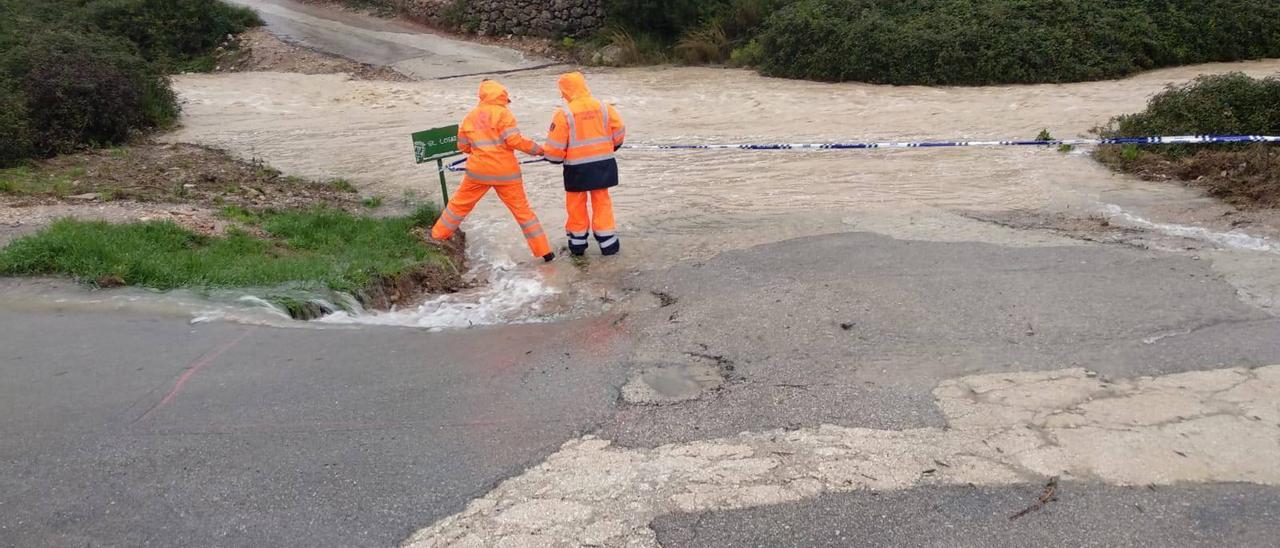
point(617, 128)
point(464, 144)
point(557, 145)
point(513, 138)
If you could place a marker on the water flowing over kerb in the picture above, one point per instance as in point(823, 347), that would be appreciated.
point(460, 165)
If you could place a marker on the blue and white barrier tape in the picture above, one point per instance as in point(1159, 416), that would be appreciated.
point(459, 165)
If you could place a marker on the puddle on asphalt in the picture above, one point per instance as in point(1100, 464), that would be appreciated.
point(669, 384)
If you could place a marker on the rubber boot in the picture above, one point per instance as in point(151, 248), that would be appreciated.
point(578, 244)
point(609, 243)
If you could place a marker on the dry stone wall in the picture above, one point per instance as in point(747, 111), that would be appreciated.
point(548, 18)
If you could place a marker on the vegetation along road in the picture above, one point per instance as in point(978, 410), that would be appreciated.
point(984, 347)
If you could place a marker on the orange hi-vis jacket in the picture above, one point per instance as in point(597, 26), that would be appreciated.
point(584, 134)
point(489, 137)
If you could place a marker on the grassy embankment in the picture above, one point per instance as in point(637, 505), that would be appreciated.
point(1243, 175)
point(243, 225)
point(327, 248)
point(78, 78)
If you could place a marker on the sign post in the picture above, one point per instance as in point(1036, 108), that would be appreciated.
point(437, 144)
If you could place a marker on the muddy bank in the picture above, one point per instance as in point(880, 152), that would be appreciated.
point(1244, 178)
point(182, 183)
point(413, 287)
point(416, 285)
point(167, 173)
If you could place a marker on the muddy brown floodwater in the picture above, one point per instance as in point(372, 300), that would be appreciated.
point(694, 204)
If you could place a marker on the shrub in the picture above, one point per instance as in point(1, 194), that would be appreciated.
point(15, 135)
point(174, 32)
point(76, 73)
point(668, 20)
point(632, 49)
point(85, 89)
point(1242, 174)
point(749, 55)
point(665, 19)
point(706, 45)
point(1223, 104)
point(978, 42)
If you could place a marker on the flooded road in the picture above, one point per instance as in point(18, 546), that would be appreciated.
point(802, 326)
point(680, 205)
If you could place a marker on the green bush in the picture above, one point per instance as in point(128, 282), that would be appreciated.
point(978, 42)
point(77, 73)
point(1234, 104)
point(15, 135)
point(749, 55)
point(665, 19)
point(178, 33)
point(85, 89)
point(343, 251)
point(708, 45)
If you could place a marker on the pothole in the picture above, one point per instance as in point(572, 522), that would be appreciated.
point(668, 384)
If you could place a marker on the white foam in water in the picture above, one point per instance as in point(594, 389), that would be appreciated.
point(506, 292)
point(1234, 239)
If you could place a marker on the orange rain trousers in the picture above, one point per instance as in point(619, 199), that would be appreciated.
point(470, 193)
point(601, 219)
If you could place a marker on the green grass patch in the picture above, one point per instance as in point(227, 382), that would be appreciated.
point(25, 181)
point(321, 247)
point(342, 185)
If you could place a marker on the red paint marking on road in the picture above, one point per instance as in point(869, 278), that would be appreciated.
point(192, 369)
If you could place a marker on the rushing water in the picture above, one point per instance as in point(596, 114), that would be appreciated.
point(677, 205)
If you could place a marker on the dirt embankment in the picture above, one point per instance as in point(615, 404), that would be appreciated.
point(1248, 178)
point(186, 184)
point(189, 185)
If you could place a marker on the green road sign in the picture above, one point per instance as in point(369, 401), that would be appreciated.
point(434, 144)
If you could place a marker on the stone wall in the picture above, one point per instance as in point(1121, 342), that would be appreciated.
point(548, 18)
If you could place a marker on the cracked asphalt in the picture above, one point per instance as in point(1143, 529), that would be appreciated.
point(138, 429)
point(845, 389)
point(1085, 514)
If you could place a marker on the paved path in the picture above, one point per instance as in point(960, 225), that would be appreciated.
point(410, 49)
point(129, 429)
point(830, 390)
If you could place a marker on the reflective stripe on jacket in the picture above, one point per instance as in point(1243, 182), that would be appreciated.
point(584, 134)
point(489, 137)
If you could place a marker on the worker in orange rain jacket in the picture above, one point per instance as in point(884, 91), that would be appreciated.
point(489, 137)
point(584, 135)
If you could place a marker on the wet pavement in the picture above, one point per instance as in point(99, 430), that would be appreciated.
point(411, 49)
point(785, 347)
point(1083, 515)
point(128, 429)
